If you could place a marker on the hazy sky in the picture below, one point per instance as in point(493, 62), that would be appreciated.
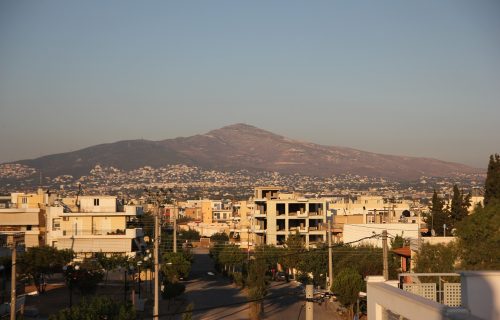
point(417, 78)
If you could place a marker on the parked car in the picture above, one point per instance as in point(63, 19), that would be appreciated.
point(280, 276)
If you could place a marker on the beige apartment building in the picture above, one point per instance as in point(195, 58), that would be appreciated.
point(23, 215)
point(277, 215)
point(98, 225)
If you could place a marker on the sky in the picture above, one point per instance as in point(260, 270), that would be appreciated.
point(415, 78)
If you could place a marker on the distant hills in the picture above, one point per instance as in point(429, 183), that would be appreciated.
point(241, 146)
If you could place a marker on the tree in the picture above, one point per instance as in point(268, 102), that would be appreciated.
point(219, 237)
point(347, 285)
point(188, 313)
point(294, 245)
point(172, 290)
point(436, 258)
point(231, 256)
point(460, 204)
point(87, 277)
point(39, 261)
point(438, 216)
point(112, 262)
point(479, 238)
point(397, 242)
point(190, 234)
point(97, 308)
point(492, 184)
point(315, 262)
point(175, 266)
point(257, 287)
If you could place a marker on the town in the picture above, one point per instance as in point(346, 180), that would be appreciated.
point(249, 252)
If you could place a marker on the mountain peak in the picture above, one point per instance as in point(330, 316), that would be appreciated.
point(243, 146)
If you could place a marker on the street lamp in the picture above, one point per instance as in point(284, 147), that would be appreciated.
point(4, 280)
point(139, 263)
point(146, 258)
point(70, 273)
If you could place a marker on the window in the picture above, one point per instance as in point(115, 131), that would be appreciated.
point(24, 200)
point(56, 223)
point(371, 219)
point(96, 202)
point(65, 218)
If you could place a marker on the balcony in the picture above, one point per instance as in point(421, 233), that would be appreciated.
point(260, 214)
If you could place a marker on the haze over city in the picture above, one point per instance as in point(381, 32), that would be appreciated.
point(417, 79)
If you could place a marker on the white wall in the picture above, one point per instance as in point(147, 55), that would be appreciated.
point(354, 232)
point(481, 293)
point(106, 204)
point(382, 296)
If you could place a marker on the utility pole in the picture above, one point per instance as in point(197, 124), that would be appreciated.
point(309, 302)
point(175, 227)
point(156, 262)
point(330, 256)
point(13, 294)
point(384, 250)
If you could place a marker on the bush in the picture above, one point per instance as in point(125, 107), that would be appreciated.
point(219, 237)
point(347, 285)
point(239, 280)
point(97, 308)
point(172, 290)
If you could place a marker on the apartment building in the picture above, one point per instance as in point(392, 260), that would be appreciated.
point(100, 224)
point(23, 213)
point(277, 215)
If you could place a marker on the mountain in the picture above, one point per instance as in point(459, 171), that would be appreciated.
point(242, 146)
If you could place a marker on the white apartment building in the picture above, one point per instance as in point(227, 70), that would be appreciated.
point(98, 225)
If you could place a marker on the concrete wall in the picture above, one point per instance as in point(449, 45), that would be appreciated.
point(354, 232)
point(438, 240)
point(481, 293)
point(106, 204)
point(383, 297)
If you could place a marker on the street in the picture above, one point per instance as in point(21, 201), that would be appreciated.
point(214, 297)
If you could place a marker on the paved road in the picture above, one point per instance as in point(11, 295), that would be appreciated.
point(210, 291)
point(207, 292)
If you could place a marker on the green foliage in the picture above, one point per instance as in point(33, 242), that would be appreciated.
point(219, 237)
point(43, 260)
point(479, 238)
point(112, 262)
point(86, 278)
point(238, 278)
point(256, 280)
point(366, 260)
point(492, 184)
point(397, 242)
point(460, 204)
point(188, 314)
point(436, 258)
point(231, 255)
point(172, 290)
point(145, 221)
point(347, 285)
point(190, 234)
point(97, 308)
point(316, 263)
point(175, 266)
point(269, 255)
point(294, 244)
point(438, 215)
